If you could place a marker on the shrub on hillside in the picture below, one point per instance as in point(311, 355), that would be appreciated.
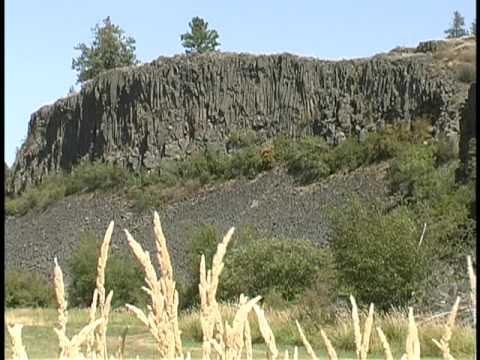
point(123, 275)
point(283, 267)
point(204, 241)
point(206, 166)
point(157, 195)
point(242, 138)
point(282, 149)
point(448, 214)
point(377, 254)
point(311, 159)
point(248, 162)
point(306, 159)
point(445, 151)
point(411, 172)
point(27, 289)
point(17, 206)
point(212, 165)
point(96, 176)
point(50, 190)
point(385, 144)
point(86, 177)
point(424, 177)
point(349, 155)
point(318, 304)
point(425, 174)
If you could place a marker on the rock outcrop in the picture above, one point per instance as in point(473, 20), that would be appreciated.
point(5, 176)
point(432, 46)
point(139, 115)
point(468, 143)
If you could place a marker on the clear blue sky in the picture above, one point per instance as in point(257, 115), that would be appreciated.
point(40, 36)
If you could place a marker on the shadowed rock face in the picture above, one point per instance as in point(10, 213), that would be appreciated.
point(6, 175)
point(137, 116)
point(467, 146)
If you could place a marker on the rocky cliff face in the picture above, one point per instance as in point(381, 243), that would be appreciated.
point(138, 116)
point(5, 176)
point(467, 146)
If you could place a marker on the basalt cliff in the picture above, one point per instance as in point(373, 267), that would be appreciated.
point(171, 107)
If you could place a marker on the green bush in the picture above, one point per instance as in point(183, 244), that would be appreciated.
point(17, 206)
point(44, 194)
point(86, 177)
point(27, 289)
point(348, 155)
point(283, 149)
point(207, 166)
point(447, 212)
point(89, 177)
point(48, 192)
point(205, 238)
point(377, 254)
point(306, 159)
point(204, 241)
point(318, 304)
point(411, 171)
point(242, 138)
point(263, 267)
point(424, 173)
point(424, 176)
point(122, 275)
point(311, 159)
point(153, 196)
point(445, 151)
point(214, 165)
point(385, 144)
point(125, 277)
point(248, 162)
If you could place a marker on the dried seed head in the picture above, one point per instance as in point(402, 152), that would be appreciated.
point(307, 345)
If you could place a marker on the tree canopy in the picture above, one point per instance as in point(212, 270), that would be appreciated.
point(199, 39)
point(458, 27)
point(110, 49)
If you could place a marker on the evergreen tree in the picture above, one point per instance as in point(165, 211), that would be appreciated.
point(473, 28)
point(458, 27)
point(199, 39)
point(109, 49)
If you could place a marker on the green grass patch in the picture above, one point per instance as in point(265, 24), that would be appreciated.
point(27, 289)
point(41, 341)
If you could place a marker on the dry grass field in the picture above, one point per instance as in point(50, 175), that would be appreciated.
point(217, 331)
